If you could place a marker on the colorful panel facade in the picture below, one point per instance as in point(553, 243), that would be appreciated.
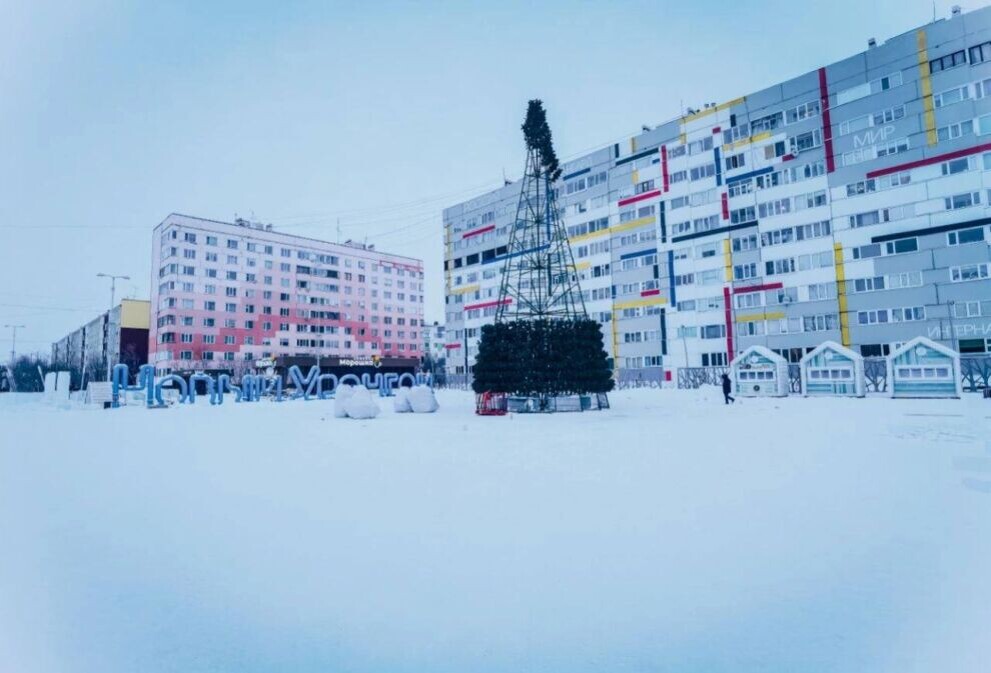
point(849, 204)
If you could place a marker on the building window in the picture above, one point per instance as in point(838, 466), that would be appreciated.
point(980, 53)
point(948, 61)
point(963, 236)
point(968, 272)
point(954, 131)
point(965, 200)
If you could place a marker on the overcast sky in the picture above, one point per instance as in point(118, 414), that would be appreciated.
point(114, 114)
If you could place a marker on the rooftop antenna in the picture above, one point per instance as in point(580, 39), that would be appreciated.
point(338, 231)
point(505, 181)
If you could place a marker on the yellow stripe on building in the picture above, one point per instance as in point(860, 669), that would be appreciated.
point(615, 229)
point(728, 260)
point(756, 138)
point(712, 110)
point(925, 81)
point(763, 315)
point(590, 235)
point(581, 266)
point(635, 175)
point(841, 293)
point(633, 144)
point(637, 303)
point(632, 224)
point(465, 290)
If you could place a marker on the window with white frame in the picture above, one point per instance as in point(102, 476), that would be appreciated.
point(963, 236)
point(965, 200)
point(969, 272)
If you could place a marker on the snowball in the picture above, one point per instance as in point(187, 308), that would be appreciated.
point(400, 403)
point(341, 396)
point(361, 404)
point(422, 400)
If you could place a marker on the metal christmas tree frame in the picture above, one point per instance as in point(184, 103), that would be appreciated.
point(539, 280)
point(543, 353)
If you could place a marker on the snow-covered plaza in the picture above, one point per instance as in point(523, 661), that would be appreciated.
point(670, 533)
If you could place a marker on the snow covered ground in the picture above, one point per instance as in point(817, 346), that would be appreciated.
point(670, 533)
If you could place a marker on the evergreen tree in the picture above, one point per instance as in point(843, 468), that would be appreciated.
point(537, 133)
point(542, 357)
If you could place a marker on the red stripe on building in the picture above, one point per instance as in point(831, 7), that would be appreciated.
point(452, 346)
point(650, 293)
point(787, 157)
point(664, 168)
point(489, 304)
point(476, 232)
point(639, 197)
point(729, 323)
point(939, 158)
point(757, 288)
point(725, 200)
point(716, 130)
point(827, 127)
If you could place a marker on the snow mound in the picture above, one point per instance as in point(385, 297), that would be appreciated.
point(341, 396)
point(422, 400)
point(361, 404)
point(400, 403)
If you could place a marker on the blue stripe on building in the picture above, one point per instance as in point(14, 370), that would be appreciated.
point(634, 157)
point(640, 253)
point(576, 174)
point(751, 174)
point(674, 298)
point(932, 230)
point(714, 232)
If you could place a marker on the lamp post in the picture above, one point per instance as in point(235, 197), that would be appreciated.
point(13, 340)
point(113, 299)
point(952, 306)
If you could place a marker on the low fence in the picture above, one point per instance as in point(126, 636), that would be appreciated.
point(696, 377)
point(650, 377)
point(975, 374)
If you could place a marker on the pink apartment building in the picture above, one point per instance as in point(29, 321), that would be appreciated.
point(225, 295)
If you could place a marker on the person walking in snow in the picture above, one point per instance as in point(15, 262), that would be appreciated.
point(726, 390)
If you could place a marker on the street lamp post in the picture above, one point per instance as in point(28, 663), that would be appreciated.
point(13, 341)
point(952, 306)
point(113, 299)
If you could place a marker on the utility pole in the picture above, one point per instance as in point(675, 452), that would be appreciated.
point(13, 341)
point(113, 299)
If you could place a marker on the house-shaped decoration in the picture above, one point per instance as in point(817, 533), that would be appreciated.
point(924, 368)
point(759, 372)
point(833, 370)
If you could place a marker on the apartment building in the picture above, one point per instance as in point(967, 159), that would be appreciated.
point(120, 334)
point(227, 294)
point(850, 203)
